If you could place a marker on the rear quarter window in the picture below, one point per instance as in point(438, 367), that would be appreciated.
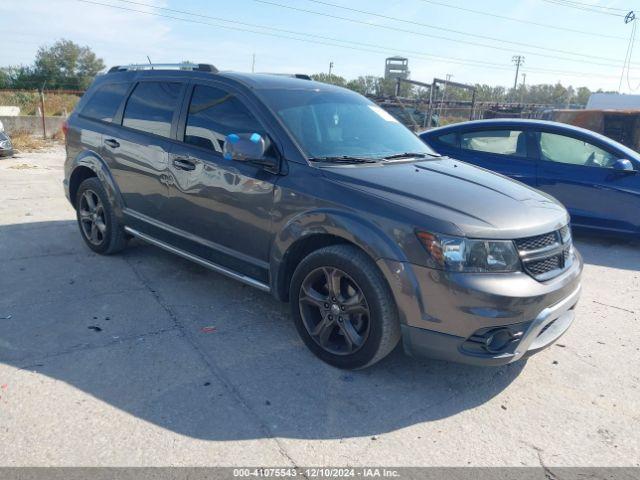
point(450, 139)
point(105, 101)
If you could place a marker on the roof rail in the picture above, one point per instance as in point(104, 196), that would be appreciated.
point(302, 76)
point(199, 67)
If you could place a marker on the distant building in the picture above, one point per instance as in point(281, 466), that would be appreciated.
point(396, 67)
point(613, 101)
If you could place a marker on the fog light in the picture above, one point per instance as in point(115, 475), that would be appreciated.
point(498, 340)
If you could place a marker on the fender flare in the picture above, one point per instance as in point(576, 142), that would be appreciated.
point(90, 159)
point(342, 224)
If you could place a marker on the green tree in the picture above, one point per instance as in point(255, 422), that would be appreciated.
point(582, 95)
point(66, 64)
point(5, 78)
point(331, 79)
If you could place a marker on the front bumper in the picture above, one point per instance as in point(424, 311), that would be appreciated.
point(550, 324)
point(6, 152)
point(459, 316)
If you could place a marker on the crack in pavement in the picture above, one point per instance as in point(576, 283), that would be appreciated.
point(613, 306)
point(71, 298)
point(211, 366)
point(83, 347)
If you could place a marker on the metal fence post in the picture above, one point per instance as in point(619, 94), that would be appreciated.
point(44, 123)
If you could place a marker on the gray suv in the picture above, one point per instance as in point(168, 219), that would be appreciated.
point(320, 197)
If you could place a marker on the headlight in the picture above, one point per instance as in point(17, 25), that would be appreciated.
point(458, 254)
point(5, 144)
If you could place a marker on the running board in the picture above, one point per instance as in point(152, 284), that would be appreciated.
point(201, 261)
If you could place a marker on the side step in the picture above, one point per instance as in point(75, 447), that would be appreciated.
point(201, 261)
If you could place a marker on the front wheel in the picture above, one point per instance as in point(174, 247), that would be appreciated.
point(343, 308)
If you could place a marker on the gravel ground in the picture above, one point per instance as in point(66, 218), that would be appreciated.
point(108, 361)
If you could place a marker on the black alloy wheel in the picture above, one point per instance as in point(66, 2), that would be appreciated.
point(334, 311)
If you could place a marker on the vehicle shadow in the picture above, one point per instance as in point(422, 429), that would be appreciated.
point(191, 351)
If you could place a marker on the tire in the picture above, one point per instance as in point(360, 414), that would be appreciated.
point(109, 235)
point(360, 339)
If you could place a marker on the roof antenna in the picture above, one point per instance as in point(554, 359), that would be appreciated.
point(149, 61)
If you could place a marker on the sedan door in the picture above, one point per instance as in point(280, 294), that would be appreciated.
point(502, 150)
point(220, 208)
point(580, 173)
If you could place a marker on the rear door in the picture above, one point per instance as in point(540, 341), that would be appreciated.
point(138, 149)
point(221, 208)
point(579, 173)
point(501, 150)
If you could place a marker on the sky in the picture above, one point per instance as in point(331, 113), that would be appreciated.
point(437, 38)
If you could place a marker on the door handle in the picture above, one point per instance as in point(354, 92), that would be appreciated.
point(184, 164)
point(111, 143)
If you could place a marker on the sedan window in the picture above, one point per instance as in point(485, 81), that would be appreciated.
point(502, 142)
point(561, 149)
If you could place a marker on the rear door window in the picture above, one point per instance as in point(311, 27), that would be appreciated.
point(215, 113)
point(501, 142)
point(105, 101)
point(151, 107)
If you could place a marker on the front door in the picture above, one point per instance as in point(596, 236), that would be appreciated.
point(221, 208)
point(581, 176)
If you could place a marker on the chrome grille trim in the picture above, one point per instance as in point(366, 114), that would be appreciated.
point(546, 256)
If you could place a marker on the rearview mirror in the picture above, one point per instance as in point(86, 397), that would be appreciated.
point(244, 147)
point(624, 165)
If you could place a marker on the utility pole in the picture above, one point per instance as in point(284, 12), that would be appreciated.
point(330, 67)
point(518, 60)
point(524, 84)
point(253, 63)
point(628, 18)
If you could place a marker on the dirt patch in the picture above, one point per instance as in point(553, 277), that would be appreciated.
point(23, 166)
point(25, 142)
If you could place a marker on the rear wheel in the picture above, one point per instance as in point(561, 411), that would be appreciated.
point(99, 227)
point(343, 308)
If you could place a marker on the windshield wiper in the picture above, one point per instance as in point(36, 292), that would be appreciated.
point(408, 155)
point(342, 159)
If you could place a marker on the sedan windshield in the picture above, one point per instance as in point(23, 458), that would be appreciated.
point(330, 124)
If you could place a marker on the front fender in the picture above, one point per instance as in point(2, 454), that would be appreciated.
point(345, 225)
point(92, 160)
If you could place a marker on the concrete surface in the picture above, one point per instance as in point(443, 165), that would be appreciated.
point(151, 388)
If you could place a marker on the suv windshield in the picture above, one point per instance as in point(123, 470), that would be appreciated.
point(337, 123)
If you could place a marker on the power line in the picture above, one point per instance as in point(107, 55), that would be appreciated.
point(360, 46)
point(372, 47)
point(583, 7)
point(526, 22)
point(592, 5)
point(426, 25)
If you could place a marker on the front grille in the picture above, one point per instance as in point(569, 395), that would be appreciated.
point(548, 255)
point(537, 242)
point(539, 267)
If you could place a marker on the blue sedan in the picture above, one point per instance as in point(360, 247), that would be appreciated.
point(596, 178)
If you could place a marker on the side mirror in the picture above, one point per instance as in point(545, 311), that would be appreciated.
point(244, 147)
point(623, 165)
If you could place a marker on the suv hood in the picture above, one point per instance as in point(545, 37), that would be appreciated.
point(478, 202)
